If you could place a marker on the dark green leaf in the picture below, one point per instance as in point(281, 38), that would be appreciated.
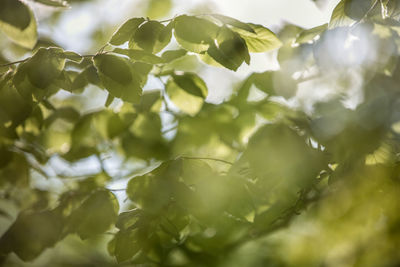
point(96, 214)
point(150, 36)
point(18, 23)
point(230, 51)
point(31, 234)
point(126, 245)
point(118, 76)
point(192, 84)
point(41, 70)
point(357, 9)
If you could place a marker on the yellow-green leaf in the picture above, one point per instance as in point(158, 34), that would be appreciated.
point(262, 40)
point(18, 23)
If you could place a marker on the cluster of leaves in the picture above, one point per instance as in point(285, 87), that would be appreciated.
point(231, 172)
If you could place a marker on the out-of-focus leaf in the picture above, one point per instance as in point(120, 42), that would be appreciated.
point(119, 78)
point(126, 31)
point(13, 106)
point(158, 8)
point(171, 55)
point(128, 219)
point(278, 155)
point(126, 245)
point(31, 234)
point(188, 103)
point(18, 23)
point(191, 83)
point(150, 101)
point(262, 40)
point(308, 35)
point(96, 214)
point(147, 127)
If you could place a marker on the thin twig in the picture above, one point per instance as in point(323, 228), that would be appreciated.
point(15, 62)
point(117, 190)
point(206, 158)
point(170, 129)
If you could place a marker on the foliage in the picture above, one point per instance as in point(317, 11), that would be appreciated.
point(207, 184)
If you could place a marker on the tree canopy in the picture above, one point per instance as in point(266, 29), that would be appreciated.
point(158, 175)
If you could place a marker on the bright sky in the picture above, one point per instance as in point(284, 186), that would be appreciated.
point(270, 12)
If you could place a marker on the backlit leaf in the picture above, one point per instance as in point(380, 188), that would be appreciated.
point(126, 31)
point(262, 40)
point(118, 76)
point(194, 40)
point(230, 50)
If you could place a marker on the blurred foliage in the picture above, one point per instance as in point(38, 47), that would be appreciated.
point(157, 175)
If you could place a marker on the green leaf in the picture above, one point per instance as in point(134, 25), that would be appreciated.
point(13, 106)
point(279, 155)
point(230, 50)
point(18, 23)
point(147, 127)
point(95, 215)
point(139, 55)
point(126, 31)
point(154, 190)
point(262, 40)
point(128, 219)
point(339, 17)
point(233, 22)
point(171, 55)
point(191, 83)
point(126, 245)
point(188, 103)
point(152, 36)
point(150, 101)
point(309, 35)
point(118, 76)
point(31, 234)
point(37, 75)
point(194, 40)
point(73, 56)
point(357, 9)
